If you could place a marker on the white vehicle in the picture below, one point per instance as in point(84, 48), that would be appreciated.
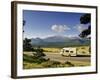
point(68, 51)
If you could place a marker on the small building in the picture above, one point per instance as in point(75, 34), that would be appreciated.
point(70, 51)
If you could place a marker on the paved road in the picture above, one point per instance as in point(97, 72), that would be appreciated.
point(58, 57)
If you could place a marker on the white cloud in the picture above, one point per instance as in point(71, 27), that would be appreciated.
point(80, 27)
point(60, 28)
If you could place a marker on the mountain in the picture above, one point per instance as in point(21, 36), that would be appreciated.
point(59, 41)
point(36, 40)
point(56, 39)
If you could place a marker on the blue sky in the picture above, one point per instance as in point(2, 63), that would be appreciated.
point(43, 24)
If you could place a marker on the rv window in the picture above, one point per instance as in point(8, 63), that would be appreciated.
point(67, 51)
point(71, 51)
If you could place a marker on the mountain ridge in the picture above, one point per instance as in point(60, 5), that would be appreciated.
point(59, 41)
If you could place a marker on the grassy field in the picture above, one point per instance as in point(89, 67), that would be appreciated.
point(31, 62)
point(53, 50)
point(84, 50)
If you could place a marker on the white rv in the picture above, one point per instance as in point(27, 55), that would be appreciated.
point(70, 51)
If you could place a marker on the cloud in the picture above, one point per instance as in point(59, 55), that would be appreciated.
point(80, 27)
point(60, 28)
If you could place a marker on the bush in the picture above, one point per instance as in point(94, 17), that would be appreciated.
point(50, 64)
point(39, 52)
point(33, 59)
point(69, 63)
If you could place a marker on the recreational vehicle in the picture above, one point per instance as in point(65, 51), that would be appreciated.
point(68, 51)
point(76, 51)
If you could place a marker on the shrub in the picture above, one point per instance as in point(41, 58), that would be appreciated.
point(69, 63)
point(51, 64)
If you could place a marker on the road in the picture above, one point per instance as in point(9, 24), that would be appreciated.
point(58, 57)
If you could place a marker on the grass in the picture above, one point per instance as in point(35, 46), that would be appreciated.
point(46, 64)
point(32, 59)
point(80, 63)
point(31, 62)
point(27, 65)
point(81, 50)
point(54, 50)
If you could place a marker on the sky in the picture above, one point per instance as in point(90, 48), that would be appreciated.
point(42, 24)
